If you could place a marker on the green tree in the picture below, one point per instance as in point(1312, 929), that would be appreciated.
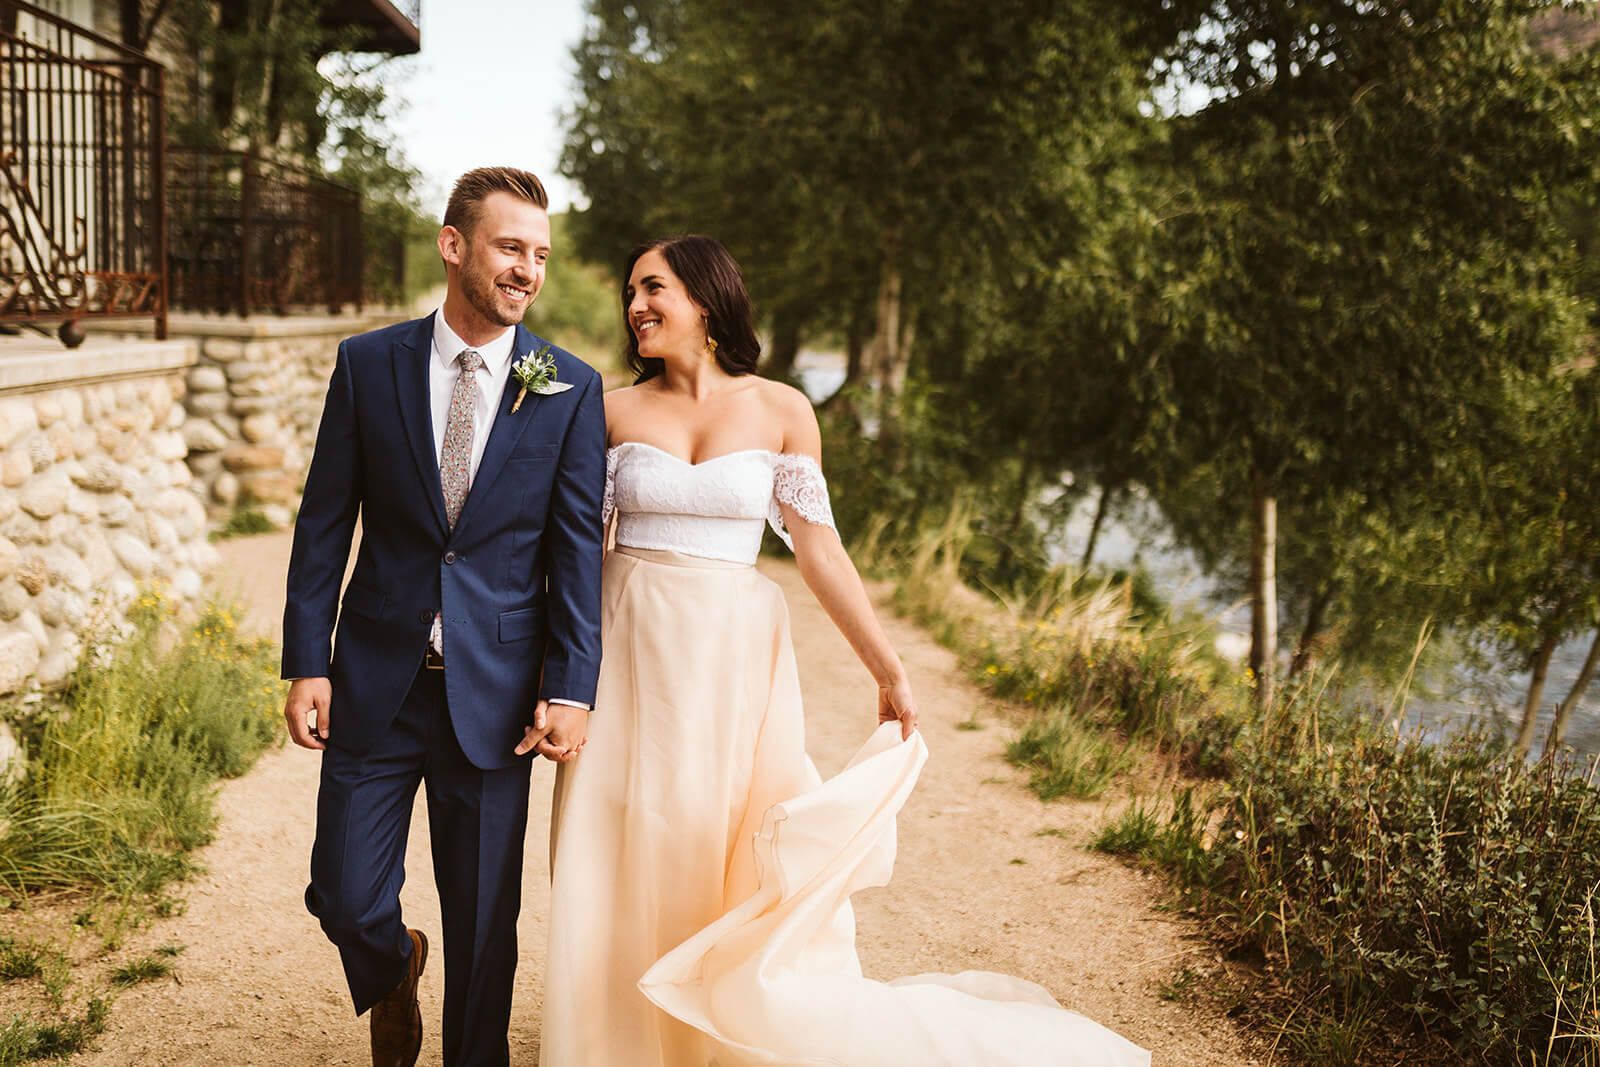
point(865, 161)
point(1371, 246)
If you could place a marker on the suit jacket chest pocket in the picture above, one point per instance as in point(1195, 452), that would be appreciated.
point(528, 480)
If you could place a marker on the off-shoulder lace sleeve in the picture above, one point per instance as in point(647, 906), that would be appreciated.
point(608, 502)
point(798, 482)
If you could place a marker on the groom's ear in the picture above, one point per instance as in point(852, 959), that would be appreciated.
point(452, 245)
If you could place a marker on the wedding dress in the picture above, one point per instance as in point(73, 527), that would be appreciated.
point(701, 869)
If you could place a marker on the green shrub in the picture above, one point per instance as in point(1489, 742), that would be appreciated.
point(123, 762)
point(1446, 890)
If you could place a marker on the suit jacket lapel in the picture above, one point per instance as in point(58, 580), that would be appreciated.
point(504, 434)
point(411, 354)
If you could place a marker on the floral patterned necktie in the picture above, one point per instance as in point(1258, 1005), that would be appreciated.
point(455, 458)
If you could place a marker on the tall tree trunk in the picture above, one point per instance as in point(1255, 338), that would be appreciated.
point(1558, 732)
point(891, 341)
point(855, 361)
point(1100, 511)
point(886, 359)
point(1303, 653)
point(886, 356)
point(1263, 588)
point(855, 349)
point(1530, 707)
point(779, 364)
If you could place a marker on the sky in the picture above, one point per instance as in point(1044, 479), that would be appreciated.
point(488, 87)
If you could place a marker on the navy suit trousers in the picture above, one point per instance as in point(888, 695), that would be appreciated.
point(477, 820)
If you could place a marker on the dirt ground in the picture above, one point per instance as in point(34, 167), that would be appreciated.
point(987, 878)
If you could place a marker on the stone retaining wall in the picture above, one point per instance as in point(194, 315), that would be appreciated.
point(95, 495)
point(254, 398)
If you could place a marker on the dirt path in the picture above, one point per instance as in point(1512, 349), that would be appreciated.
point(977, 884)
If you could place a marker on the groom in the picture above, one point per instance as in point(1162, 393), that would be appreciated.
point(473, 612)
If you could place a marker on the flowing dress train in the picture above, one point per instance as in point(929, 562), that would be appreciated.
point(701, 869)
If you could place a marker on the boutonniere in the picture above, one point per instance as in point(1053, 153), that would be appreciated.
point(537, 373)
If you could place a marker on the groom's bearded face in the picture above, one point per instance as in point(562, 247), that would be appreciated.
point(502, 268)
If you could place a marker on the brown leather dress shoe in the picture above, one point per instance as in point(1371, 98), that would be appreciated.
point(397, 1019)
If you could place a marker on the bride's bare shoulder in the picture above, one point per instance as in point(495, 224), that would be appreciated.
point(619, 403)
point(791, 409)
point(622, 399)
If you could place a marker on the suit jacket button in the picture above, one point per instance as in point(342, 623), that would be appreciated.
point(424, 615)
point(449, 557)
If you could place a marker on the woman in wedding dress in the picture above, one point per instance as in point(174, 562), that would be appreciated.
point(701, 870)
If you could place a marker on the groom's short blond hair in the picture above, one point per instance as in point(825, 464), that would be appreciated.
point(473, 187)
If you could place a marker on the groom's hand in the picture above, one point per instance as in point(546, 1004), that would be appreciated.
point(533, 736)
point(306, 711)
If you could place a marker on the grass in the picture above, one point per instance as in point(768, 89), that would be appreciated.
point(123, 765)
point(144, 969)
point(23, 1039)
point(19, 961)
point(243, 522)
point(1133, 833)
point(119, 790)
point(1102, 677)
point(1066, 757)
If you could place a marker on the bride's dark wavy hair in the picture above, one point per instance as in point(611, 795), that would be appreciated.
point(715, 283)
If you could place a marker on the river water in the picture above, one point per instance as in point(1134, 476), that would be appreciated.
point(1466, 694)
point(1463, 695)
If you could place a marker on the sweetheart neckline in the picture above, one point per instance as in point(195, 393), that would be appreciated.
point(670, 455)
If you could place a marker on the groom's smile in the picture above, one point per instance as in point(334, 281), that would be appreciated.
point(500, 259)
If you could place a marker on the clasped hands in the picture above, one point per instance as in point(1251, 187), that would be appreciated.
point(558, 733)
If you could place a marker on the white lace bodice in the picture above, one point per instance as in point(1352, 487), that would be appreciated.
point(714, 509)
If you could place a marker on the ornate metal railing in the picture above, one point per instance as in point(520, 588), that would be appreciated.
point(248, 233)
point(82, 201)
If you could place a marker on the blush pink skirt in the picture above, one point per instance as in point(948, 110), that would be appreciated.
point(701, 869)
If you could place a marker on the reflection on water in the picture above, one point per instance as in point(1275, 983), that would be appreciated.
point(1470, 695)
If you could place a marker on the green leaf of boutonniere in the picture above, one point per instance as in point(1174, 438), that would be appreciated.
point(537, 374)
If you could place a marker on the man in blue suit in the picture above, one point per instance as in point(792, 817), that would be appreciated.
point(473, 614)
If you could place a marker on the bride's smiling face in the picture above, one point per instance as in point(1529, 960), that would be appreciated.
point(662, 315)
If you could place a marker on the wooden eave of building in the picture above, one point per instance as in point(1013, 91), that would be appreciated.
point(379, 26)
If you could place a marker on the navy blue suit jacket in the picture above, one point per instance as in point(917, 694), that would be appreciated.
point(517, 582)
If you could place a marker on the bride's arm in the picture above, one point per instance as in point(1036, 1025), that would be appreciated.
point(832, 578)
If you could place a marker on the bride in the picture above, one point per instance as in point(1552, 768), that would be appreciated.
point(701, 870)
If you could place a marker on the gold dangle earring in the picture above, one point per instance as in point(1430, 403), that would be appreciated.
point(711, 342)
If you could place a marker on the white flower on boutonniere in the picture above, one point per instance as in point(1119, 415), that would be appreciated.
point(537, 373)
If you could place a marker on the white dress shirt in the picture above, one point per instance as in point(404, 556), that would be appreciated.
point(443, 372)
